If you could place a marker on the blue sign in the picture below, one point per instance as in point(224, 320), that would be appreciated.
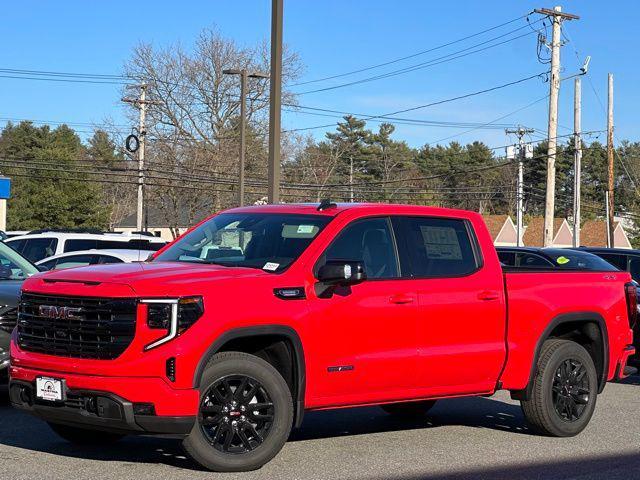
point(5, 187)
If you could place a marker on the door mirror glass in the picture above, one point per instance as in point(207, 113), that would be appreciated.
point(341, 273)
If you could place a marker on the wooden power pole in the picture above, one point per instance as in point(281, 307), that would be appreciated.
point(610, 153)
point(577, 157)
point(275, 94)
point(554, 91)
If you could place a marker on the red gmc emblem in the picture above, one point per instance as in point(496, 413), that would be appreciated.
point(62, 313)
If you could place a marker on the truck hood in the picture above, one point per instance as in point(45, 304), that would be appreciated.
point(144, 279)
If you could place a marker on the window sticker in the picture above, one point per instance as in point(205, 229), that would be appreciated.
point(271, 266)
point(562, 260)
point(306, 228)
point(441, 243)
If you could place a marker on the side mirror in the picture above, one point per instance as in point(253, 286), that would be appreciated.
point(42, 268)
point(341, 273)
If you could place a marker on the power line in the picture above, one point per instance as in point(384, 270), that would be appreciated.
point(439, 102)
point(413, 55)
point(436, 61)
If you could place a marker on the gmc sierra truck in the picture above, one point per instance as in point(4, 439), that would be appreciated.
point(259, 314)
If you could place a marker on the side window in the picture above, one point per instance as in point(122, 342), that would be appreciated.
point(38, 248)
point(438, 247)
point(634, 268)
point(75, 245)
point(49, 265)
point(74, 261)
point(619, 261)
point(532, 260)
point(507, 258)
point(368, 241)
point(17, 245)
point(107, 259)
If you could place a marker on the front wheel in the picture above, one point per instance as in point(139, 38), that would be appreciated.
point(245, 414)
point(564, 391)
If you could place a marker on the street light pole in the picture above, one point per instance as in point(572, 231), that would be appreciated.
point(244, 76)
point(275, 93)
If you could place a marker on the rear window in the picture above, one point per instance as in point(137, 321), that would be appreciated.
point(438, 247)
point(574, 260)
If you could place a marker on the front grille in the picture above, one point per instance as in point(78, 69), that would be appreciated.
point(8, 317)
point(100, 328)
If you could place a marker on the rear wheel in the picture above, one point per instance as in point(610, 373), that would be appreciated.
point(245, 414)
point(564, 390)
point(409, 409)
point(81, 436)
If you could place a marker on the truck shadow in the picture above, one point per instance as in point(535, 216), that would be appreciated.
point(474, 412)
point(18, 429)
point(621, 466)
point(633, 380)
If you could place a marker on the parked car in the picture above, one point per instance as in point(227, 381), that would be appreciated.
point(37, 246)
point(303, 308)
point(562, 258)
point(627, 260)
point(14, 270)
point(83, 258)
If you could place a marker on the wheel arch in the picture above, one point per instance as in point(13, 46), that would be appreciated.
point(581, 321)
point(247, 333)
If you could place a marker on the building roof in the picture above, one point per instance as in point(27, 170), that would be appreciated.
point(594, 233)
point(495, 223)
point(533, 234)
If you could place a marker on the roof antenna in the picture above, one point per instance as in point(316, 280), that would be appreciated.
point(325, 204)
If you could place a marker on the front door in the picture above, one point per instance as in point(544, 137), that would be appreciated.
point(368, 352)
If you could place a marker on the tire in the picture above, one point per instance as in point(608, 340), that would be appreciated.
point(271, 422)
point(559, 406)
point(82, 436)
point(409, 409)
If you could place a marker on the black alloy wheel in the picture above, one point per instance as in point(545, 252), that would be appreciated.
point(236, 414)
point(571, 390)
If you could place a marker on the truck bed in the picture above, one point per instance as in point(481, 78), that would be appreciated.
point(537, 300)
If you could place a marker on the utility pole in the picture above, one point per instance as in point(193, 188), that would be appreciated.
point(275, 93)
point(141, 103)
point(608, 218)
point(554, 91)
point(244, 76)
point(577, 159)
point(610, 146)
point(522, 153)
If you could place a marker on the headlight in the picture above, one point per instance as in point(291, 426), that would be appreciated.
point(175, 315)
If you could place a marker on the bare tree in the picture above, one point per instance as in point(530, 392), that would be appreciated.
point(192, 128)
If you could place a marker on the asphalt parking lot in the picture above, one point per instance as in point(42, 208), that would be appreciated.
point(461, 438)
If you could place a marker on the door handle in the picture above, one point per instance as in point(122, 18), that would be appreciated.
point(488, 295)
point(401, 299)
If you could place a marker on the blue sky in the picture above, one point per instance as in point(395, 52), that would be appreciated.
point(334, 36)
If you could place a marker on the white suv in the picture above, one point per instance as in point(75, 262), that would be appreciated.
point(43, 244)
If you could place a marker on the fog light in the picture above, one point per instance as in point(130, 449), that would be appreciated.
point(144, 409)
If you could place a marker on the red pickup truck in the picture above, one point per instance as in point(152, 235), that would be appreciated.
point(257, 314)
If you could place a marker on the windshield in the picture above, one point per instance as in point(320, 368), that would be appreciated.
point(13, 266)
point(270, 242)
point(571, 259)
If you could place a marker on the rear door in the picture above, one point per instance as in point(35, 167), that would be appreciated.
point(370, 328)
point(461, 326)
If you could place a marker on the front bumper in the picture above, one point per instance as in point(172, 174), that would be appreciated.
point(109, 403)
point(97, 411)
